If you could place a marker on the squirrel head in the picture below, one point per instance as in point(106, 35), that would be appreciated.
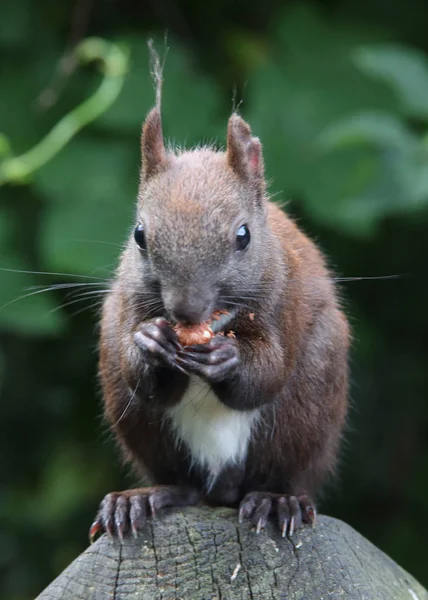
point(201, 237)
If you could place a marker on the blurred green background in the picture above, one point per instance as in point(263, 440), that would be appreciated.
point(338, 93)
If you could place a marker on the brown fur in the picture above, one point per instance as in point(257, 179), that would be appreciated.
point(292, 356)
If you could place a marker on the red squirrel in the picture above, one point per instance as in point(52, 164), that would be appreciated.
point(250, 420)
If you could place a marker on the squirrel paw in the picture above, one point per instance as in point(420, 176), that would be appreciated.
point(158, 342)
point(123, 512)
point(291, 511)
point(213, 361)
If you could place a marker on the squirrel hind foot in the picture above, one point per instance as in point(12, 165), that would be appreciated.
point(126, 512)
point(291, 511)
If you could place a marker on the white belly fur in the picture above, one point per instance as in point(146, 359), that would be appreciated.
point(215, 434)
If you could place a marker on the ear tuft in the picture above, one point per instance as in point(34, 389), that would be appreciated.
point(244, 152)
point(152, 145)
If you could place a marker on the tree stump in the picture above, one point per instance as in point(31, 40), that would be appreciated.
point(203, 554)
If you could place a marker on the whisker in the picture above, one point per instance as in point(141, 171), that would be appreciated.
point(201, 401)
point(76, 289)
point(148, 301)
point(42, 291)
point(83, 295)
point(129, 403)
point(151, 305)
point(83, 241)
point(238, 304)
point(94, 305)
point(65, 304)
point(147, 294)
point(60, 286)
point(49, 273)
point(81, 289)
point(374, 277)
point(145, 304)
point(240, 296)
point(152, 312)
point(107, 268)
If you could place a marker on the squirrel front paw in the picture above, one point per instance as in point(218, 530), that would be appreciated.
point(158, 342)
point(214, 361)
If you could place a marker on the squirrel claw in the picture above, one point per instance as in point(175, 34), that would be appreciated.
point(291, 511)
point(213, 361)
point(94, 530)
point(261, 513)
point(158, 342)
point(126, 512)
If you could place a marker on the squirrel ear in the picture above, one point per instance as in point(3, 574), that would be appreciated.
point(152, 146)
point(244, 152)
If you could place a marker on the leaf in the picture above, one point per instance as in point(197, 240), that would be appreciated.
point(404, 69)
point(357, 183)
point(21, 120)
point(91, 187)
point(15, 23)
point(335, 194)
point(377, 128)
point(413, 174)
point(21, 309)
point(63, 488)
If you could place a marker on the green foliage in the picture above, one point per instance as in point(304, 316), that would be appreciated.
point(349, 169)
point(18, 169)
point(404, 69)
point(87, 217)
point(402, 151)
point(342, 114)
point(22, 307)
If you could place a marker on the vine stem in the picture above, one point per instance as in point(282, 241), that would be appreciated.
point(113, 61)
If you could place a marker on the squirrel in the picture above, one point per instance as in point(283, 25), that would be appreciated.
point(253, 419)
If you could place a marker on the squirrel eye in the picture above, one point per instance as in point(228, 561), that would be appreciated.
point(242, 238)
point(139, 237)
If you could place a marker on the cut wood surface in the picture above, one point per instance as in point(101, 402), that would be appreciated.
point(203, 554)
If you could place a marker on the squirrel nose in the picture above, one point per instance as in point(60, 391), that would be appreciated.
point(188, 309)
point(189, 314)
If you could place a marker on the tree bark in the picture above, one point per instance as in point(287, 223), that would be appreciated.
point(203, 554)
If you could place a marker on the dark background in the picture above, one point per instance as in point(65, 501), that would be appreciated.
point(338, 93)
